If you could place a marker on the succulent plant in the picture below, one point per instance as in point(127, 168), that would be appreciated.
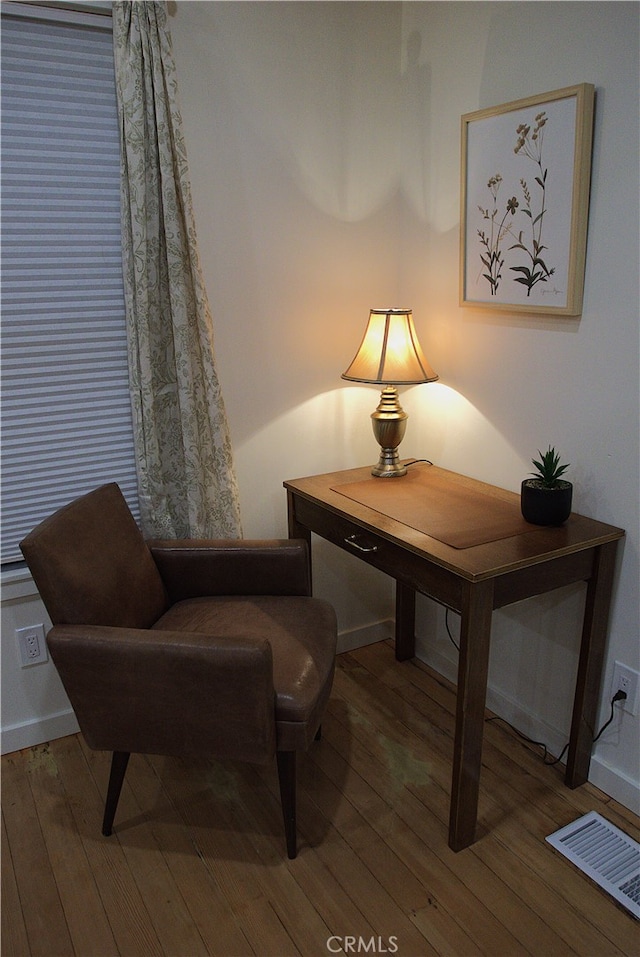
point(548, 468)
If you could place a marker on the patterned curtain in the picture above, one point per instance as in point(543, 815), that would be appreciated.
point(186, 480)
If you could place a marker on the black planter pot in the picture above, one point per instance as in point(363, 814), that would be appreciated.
point(545, 506)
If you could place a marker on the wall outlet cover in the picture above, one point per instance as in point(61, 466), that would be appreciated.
point(628, 680)
point(32, 647)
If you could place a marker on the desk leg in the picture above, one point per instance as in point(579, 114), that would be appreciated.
point(475, 633)
point(592, 649)
point(296, 530)
point(405, 622)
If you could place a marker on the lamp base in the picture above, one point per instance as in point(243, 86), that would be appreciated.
point(389, 423)
point(389, 465)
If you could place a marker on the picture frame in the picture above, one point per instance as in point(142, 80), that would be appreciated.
point(525, 178)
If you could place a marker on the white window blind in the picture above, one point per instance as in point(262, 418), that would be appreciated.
point(66, 416)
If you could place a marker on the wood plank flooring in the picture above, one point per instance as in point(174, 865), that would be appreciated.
point(197, 863)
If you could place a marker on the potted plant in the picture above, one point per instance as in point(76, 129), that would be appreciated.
point(545, 498)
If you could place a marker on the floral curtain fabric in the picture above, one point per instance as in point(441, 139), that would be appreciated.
point(185, 470)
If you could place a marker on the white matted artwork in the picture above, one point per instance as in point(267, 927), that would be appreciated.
point(525, 178)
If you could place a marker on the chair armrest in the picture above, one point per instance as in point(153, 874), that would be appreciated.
point(195, 568)
point(168, 692)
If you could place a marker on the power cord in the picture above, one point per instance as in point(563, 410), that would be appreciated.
point(417, 461)
point(539, 744)
point(446, 624)
point(618, 696)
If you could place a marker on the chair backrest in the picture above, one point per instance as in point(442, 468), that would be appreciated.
point(92, 566)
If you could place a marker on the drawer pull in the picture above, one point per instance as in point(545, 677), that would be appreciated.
point(351, 540)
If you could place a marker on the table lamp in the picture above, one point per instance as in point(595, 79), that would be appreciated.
point(389, 355)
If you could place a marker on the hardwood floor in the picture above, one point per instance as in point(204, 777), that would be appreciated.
point(197, 863)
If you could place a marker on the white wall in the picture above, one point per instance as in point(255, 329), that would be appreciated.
point(512, 384)
point(323, 141)
point(35, 707)
point(290, 112)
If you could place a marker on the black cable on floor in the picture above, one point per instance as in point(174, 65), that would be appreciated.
point(618, 696)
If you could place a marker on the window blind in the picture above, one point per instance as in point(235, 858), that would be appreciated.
point(66, 415)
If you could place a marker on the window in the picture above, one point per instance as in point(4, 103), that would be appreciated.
point(66, 415)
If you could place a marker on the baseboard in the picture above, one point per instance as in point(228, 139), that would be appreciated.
point(617, 785)
point(37, 731)
point(612, 782)
point(367, 635)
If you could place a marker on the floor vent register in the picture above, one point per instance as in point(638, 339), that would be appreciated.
point(606, 854)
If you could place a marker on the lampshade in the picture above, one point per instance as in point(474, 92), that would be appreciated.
point(390, 351)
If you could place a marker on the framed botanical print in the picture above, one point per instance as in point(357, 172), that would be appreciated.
point(525, 176)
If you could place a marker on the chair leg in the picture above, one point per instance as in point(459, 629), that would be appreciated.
point(318, 736)
point(287, 777)
point(119, 763)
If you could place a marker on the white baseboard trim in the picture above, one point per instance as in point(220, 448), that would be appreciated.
point(366, 635)
point(38, 730)
point(613, 782)
point(617, 785)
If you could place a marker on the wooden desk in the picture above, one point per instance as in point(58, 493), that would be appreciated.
point(472, 581)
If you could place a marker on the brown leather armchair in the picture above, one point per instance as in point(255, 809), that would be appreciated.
point(183, 647)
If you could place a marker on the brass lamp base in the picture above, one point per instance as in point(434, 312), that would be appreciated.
point(389, 423)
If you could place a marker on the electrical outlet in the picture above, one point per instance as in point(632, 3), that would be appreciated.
point(627, 680)
point(32, 647)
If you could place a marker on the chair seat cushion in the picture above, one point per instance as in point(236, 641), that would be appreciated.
point(302, 633)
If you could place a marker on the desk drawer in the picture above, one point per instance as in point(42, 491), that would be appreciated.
point(370, 547)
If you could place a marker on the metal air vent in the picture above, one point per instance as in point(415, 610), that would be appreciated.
point(606, 854)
